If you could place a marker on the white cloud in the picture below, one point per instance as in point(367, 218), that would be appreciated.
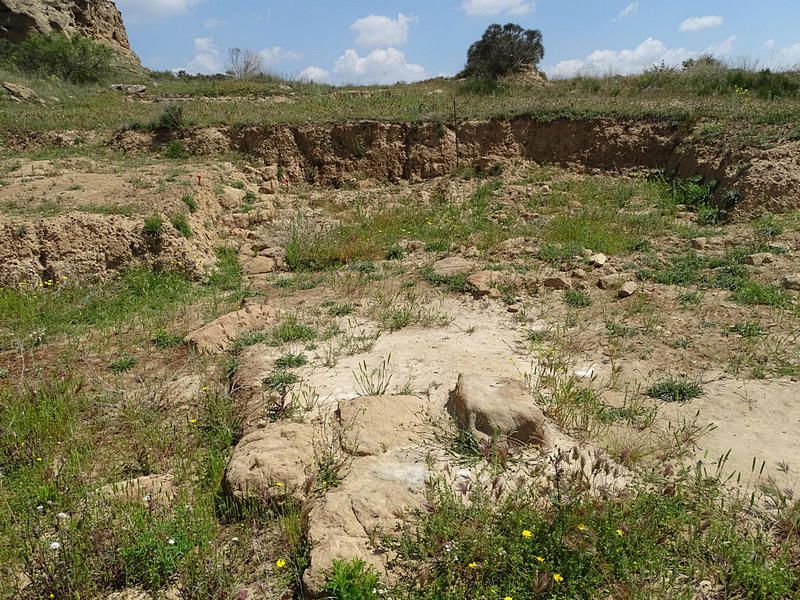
point(376, 31)
point(628, 61)
point(148, 10)
point(632, 8)
point(277, 54)
point(207, 59)
point(786, 58)
point(496, 7)
point(381, 67)
point(315, 74)
point(769, 45)
point(211, 23)
point(699, 23)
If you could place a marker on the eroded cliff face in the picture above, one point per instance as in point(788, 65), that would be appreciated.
point(99, 20)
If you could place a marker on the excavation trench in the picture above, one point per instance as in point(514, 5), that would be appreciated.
point(750, 180)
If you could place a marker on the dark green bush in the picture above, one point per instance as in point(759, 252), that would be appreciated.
point(76, 59)
point(504, 50)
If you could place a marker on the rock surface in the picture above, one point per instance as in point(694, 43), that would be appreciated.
point(381, 423)
point(628, 289)
point(480, 283)
point(272, 462)
point(791, 282)
point(19, 91)
point(99, 20)
point(487, 405)
point(452, 266)
point(147, 488)
point(558, 283)
point(215, 337)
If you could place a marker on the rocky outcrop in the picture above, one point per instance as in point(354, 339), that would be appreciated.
point(490, 406)
point(99, 20)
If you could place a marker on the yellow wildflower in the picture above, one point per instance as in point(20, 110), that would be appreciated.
point(557, 578)
point(472, 565)
point(280, 563)
point(279, 484)
point(581, 527)
point(540, 559)
point(192, 420)
point(620, 532)
point(526, 533)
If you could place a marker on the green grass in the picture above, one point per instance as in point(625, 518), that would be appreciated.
point(291, 330)
point(56, 443)
point(577, 298)
point(675, 389)
point(31, 317)
point(153, 226)
point(190, 203)
point(179, 222)
point(657, 540)
point(291, 361)
point(679, 97)
point(123, 363)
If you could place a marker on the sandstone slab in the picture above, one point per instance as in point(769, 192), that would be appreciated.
point(380, 423)
point(558, 283)
point(272, 462)
point(142, 489)
point(453, 266)
point(216, 337)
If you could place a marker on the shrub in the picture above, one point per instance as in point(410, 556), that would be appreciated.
point(175, 149)
point(171, 117)
point(76, 59)
point(503, 50)
point(352, 581)
point(180, 223)
point(153, 226)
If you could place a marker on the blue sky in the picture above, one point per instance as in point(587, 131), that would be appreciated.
point(383, 42)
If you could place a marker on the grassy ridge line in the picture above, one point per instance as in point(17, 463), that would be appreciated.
point(271, 100)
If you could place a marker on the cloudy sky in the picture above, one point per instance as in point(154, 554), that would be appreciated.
point(383, 42)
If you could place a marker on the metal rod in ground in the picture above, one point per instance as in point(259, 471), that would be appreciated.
point(455, 128)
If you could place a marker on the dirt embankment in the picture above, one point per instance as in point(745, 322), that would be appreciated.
point(751, 180)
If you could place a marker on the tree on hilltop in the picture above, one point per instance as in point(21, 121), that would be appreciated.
point(504, 50)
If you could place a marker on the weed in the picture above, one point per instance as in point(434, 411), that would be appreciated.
point(190, 203)
point(748, 329)
point(175, 150)
point(124, 362)
point(352, 580)
point(181, 225)
point(162, 339)
point(341, 310)
point(577, 298)
point(172, 117)
point(291, 361)
point(247, 339)
point(394, 253)
point(620, 331)
point(675, 389)
point(153, 226)
point(291, 330)
point(373, 382)
point(280, 380)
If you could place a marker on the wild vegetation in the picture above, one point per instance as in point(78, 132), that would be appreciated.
point(623, 306)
